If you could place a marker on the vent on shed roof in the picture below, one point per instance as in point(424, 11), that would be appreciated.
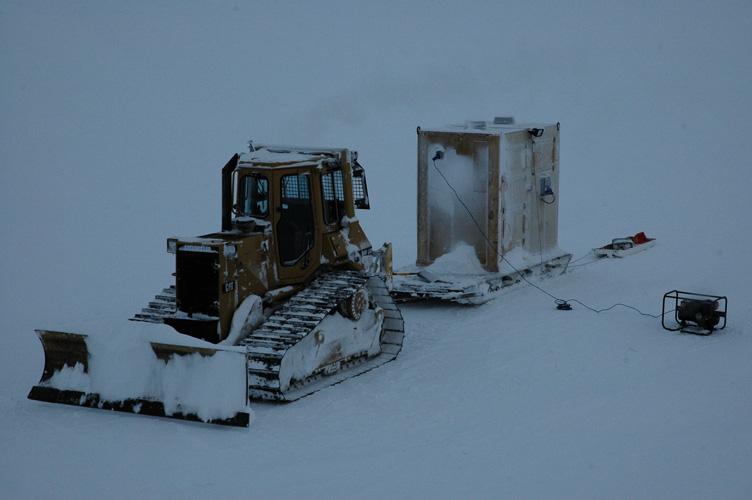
point(476, 124)
point(504, 120)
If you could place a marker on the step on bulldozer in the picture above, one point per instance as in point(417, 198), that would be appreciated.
point(287, 298)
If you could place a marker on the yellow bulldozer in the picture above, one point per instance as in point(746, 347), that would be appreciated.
point(290, 293)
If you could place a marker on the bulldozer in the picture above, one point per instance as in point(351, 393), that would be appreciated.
point(287, 298)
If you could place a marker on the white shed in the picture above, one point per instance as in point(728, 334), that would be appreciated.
point(494, 186)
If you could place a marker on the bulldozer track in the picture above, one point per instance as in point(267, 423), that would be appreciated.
point(163, 305)
point(267, 345)
point(299, 316)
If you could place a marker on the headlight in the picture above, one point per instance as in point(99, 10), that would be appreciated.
point(172, 245)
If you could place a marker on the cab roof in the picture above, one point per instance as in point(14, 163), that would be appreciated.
point(285, 156)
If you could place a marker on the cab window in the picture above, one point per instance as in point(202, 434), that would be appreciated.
point(334, 197)
point(253, 196)
point(295, 226)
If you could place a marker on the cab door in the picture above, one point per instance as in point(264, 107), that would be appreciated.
point(297, 245)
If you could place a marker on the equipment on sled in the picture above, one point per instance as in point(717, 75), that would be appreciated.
point(622, 247)
point(487, 210)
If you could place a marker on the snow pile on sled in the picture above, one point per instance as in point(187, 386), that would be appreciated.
point(458, 276)
point(462, 260)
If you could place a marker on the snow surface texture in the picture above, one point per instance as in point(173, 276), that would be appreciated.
point(118, 119)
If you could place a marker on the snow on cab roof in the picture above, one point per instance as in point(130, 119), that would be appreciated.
point(287, 155)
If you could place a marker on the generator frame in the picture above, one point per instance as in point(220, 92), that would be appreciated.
point(682, 325)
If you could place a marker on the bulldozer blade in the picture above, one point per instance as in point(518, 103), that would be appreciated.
point(165, 352)
point(130, 405)
point(62, 349)
point(70, 350)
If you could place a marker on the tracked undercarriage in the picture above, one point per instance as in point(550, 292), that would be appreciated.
point(343, 324)
point(342, 321)
point(304, 344)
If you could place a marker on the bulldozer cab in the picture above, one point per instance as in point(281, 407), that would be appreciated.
point(288, 193)
point(308, 198)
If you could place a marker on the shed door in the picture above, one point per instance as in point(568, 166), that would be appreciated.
point(475, 198)
point(453, 221)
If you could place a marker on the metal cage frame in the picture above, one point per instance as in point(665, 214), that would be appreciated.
point(682, 325)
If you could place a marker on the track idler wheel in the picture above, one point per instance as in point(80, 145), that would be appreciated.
point(355, 304)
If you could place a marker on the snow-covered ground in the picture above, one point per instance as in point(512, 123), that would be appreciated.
point(118, 119)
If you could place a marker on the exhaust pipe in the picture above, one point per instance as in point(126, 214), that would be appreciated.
point(227, 192)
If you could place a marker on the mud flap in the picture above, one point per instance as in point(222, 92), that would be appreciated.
point(68, 365)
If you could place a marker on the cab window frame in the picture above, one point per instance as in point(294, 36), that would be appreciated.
point(247, 199)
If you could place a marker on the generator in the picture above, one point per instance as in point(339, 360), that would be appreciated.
point(695, 313)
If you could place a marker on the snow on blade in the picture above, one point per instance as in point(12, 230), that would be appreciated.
point(123, 365)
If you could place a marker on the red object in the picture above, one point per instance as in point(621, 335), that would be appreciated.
point(639, 238)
